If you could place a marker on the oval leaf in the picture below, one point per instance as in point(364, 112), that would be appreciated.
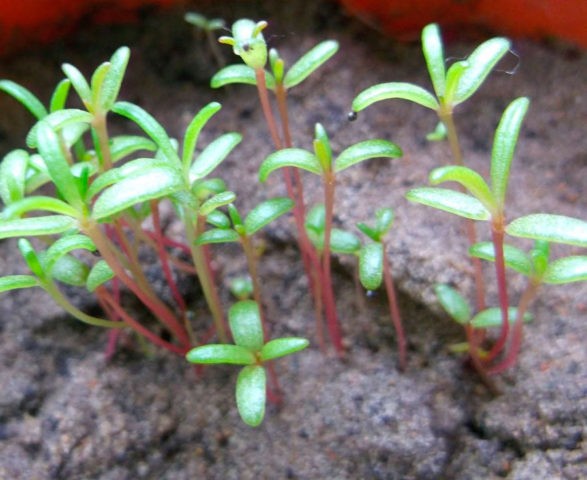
point(515, 258)
point(125, 145)
point(364, 151)
point(551, 228)
point(60, 121)
point(217, 353)
point(36, 226)
point(217, 235)
point(64, 245)
point(290, 157)
point(491, 317)
point(281, 347)
point(217, 201)
point(310, 62)
point(401, 90)
point(13, 169)
point(14, 282)
point(99, 274)
point(266, 212)
point(434, 55)
point(453, 303)
point(251, 394)
point(566, 270)
point(213, 155)
point(371, 265)
point(69, 270)
point(239, 74)
point(342, 242)
point(245, 325)
point(469, 179)
point(450, 201)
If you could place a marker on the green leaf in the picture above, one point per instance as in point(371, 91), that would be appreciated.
point(124, 145)
point(24, 96)
point(434, 55)
point(14, 282)
point(241, 288)
point(491, 317)
point(438, 134)
point(36, 226)
point(251, 394)
point(310, 62)
point(266, 212)
point(110, 87)
point(38, 203)
point(384, 220)
point(239, 74)
point(371, 265)
point(61, 120)
point(245, 325)
point(401, 90)
point(469, 179)
point(316, 218)
point(99, 274)
point(149, 125)
point(193, 130)
point(453, 303)
point(218, 235)
point(218, 219)
point(57, 166)
point(153, 182)
point(60, 95)
point(453, 77)
point(290, 157)
point(202, 189)
point(450, 201)
point(13, 169)
point(480, 63)
point(31, 258)
point(342, 242)
point(371, 232)
point(69, 270)
point(218, 353)
point(566, 270)
point(551, 228)
point(366, 150)
point(96, 85)
point(64, 245)
point(504, 145)
point(281, 347)
point(79, 83)
point(213, 155)
point(515, 258)
point(217, 201)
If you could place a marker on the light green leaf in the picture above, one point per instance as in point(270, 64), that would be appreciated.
point(217, 201)
point(450, 201)
point(343, 242)
point(213, 155)
point(371, 265)
point(504, 145)
point(63, 246)
point(61, 120)
point(251, 394)
point(13, 169)
point(24, 96)
point(366, 150)
point(110, 87)
point(480, 63)
point(265, 213)
point(193, 130)
point(155, 181)
point(218, 235)
point(69, 270)
point(453, 303)
point(218, 353)
point(434, 55)
point(384, 220)
point(551, 228)
point(281, 347)
point(401, 90)
point(453, 77)
point(515, 258)
point(239, 74)
point(14, 282)
point(310, 62)
point(79, 83)
point(38, 203)
point(491, 317)
point(99, 274)
point(60, 94)
point(290, 157)
point(124, 145)
point(31, 258)
point(219, 219)
point(245, 325)
point(567, 270)
point(36, 226)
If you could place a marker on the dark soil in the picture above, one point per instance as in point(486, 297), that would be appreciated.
point(67, 413)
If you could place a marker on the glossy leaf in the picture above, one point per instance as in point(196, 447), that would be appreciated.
point(384, 220)
point(193, 130)
point(281, 347)
point(450, 201)
point(245, 325)
point(154, 182)
point(401, 90)
point(434, 55)
point(149, 125)
point(60, 94)
point(65, 245)
point(267, 211)
point(316, 218)
point(480, 64)
point(110, 87)
point(31, 258)
point(15, 282)
point(96, 83)
point(38, 203)
point(515, 258)
point(69, 270)
point(310, 62)
point(453, 77)
point(99, 274)
point(79, 83)
point(251, 394)
point(217, 201)
point(370, 232)
point(371, 265)
point(25, 97)
point(13, 169)
point(36, 226)
point(504, 145)
point(343, 242)
point(125, 145)
point(239, 74)
point(453, 303)
point(469, 179)
point(289, 157)
point(61, 121)
point(491, 317)
point(218, 353)
point(242, 288)
point(219, 219)
point(551, 228)
point(566, 270)
point(366, 150)
point(213, 155)
point(202, 189)
point(218, 235)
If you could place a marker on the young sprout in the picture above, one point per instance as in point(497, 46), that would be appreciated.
point(251, 351)
point(208, 26)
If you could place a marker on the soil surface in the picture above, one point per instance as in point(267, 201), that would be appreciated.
point(68, 413)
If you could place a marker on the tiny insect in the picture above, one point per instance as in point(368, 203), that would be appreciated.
point(352, 116)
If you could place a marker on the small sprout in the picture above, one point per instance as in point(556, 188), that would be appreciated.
point(248, 43)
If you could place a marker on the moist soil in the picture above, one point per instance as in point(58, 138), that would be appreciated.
point(68, 412)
